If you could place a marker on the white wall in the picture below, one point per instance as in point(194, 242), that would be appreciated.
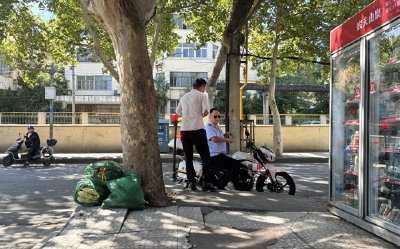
point(91, 69)
point(6, 82)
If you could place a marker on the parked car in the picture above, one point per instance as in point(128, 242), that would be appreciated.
point(312, 122)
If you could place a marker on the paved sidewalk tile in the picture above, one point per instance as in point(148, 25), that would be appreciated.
point(300, 229)
point(171, 227)
point(25, 236)
point(90, 228)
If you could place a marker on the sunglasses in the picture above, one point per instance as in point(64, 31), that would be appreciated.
point(217, 116)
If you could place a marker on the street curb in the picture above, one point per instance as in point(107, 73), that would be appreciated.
point(62, 160)
point(42, 243)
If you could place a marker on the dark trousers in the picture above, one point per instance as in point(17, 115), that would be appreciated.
point(197, 138)
point(31, 152)
point(223, 161)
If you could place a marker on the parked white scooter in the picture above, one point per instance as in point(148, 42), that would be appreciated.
point(255, 163)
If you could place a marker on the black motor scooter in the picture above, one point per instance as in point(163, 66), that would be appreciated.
point(42, 155)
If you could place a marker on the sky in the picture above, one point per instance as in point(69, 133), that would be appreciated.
point(37, 11)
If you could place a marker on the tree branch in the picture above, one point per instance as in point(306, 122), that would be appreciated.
point(96, 44)
point(155, 40)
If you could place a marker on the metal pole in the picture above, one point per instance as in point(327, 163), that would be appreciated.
point(73, 94)
point(174, 176)
point(51, 72)
point(227, 67)
point(174, 169)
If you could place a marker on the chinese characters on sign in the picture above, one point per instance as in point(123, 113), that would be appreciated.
point(391, 5)
point(374, 15)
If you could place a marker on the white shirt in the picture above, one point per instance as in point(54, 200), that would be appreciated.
point(191, 107)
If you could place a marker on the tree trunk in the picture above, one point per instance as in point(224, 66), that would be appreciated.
point(155, 39)
point(277, 137)
point(125, 21)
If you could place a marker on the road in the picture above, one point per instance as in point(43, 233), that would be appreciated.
point(43, 195)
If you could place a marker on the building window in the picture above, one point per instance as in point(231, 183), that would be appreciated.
point(160, 76)
point(185, 79)
point(185, 50)
point(87, 55)
point(215, 50)
point(3, 68)
point(94, 82)
point(173, 104)
point(180, 23)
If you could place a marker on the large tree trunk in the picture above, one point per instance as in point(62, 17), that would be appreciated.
point(278, 146)
point(125, 21)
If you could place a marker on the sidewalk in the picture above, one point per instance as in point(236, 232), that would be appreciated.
point(206, 228)
point(86, 158)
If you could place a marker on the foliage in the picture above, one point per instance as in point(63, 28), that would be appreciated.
point(303, 34)
point(162, 87)
point(30, 94)
point(252, 104)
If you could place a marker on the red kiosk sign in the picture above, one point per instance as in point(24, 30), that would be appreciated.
point(372, 17)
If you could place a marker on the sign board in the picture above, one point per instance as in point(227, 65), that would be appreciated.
point(375, 15)
point(50, 93)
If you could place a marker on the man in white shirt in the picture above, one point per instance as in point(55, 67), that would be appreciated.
point(193, 106)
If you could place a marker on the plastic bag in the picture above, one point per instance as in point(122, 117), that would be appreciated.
point(88, 194)
point(126, 192)
point(103, 171)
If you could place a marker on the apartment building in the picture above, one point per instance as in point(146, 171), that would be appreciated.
point(8, 77)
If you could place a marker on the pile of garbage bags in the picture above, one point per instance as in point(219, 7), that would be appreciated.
point(109, 187)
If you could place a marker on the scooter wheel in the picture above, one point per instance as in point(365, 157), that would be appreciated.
point(7, 161)
point(46, 162)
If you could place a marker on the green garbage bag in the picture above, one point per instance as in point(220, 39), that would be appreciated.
point(126, 192)
point(103, 171)
point(89, 194)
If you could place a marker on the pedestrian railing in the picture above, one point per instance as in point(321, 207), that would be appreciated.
point(104, 118)
point(28, 118)
point(78, 118)
point(64, 118)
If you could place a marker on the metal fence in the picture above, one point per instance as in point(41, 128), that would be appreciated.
point(115, 118)
point(104, 118)
point(64, 118)
point(27, 118)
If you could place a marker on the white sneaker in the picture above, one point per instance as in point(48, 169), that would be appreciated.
point(230, 187)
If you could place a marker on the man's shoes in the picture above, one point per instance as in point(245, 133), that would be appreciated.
point(209, 187)
point(26, 164)
point(191, 185)
point(230, 187)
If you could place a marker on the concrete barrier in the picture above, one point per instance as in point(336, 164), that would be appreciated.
point(107, 138)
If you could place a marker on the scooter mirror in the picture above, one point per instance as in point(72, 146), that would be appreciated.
point(247, 133)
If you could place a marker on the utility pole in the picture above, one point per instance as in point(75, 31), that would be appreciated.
point(51, 72)
point(73, 93)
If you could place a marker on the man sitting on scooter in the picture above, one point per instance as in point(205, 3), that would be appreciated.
point(217, 143)
point(33, 139)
